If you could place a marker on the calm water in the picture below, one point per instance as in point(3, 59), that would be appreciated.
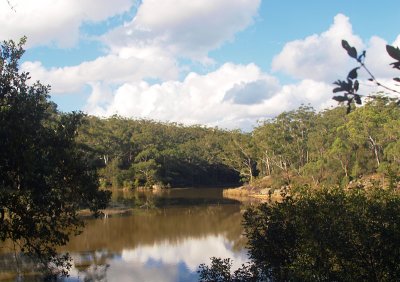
point(163, 244)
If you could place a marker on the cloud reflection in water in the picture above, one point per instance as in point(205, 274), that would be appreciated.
point(165, 261)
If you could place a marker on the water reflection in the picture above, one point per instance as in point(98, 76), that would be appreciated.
point(162, 261)
point(165, 244)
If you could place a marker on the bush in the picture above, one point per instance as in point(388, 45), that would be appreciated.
point(323, 235)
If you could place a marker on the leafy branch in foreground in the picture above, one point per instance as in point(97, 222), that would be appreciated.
point(350, 86)
point(44, 173)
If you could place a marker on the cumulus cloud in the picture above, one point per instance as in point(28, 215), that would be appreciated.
point(147, 47)
point(397, 41)
point(111, 69)
point(49, 22)
point(318, 57)
point(151, 44)
point(198, 98)
point(233, 96)
point(187, 29)
point(253, 92)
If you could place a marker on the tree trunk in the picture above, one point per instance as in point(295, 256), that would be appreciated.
point(375, 147)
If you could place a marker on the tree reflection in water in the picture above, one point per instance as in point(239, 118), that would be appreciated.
point(165, 244)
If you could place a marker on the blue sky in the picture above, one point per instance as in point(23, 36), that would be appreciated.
point(224, 63)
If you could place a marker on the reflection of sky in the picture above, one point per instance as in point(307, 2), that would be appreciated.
point(166, 261)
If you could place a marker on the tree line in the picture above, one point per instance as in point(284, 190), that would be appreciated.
point(132, 153)
point(299, 146)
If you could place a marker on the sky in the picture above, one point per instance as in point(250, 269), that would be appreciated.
point(225, 63)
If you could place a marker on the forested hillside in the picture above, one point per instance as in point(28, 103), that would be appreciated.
point(300, 146)
point(131, 153)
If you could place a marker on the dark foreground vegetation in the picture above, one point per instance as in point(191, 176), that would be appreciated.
point(320, 235)
point(45, 178)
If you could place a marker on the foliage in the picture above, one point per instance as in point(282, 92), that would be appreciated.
point(220, 271)
point(351, 85)
point(282, 143)
point(299, 146)
point(130, 153)
point(44, 175)
point(323, 148)
point(321, 235)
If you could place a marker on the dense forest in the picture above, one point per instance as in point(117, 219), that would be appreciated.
point(300, 146)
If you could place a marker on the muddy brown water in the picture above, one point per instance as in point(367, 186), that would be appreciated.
point(166, 243)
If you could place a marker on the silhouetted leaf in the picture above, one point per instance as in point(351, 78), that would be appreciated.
point(343, 86)
point(346, 45)
point(357, 98)
point(349, 85)
point(393, 52)
point(356, 85)
point(396, 65)
point(340, 98)
point(353, 73)
point(396, 79)
point(350, 50)
point(337, 89)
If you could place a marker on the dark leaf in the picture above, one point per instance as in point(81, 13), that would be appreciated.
point(337, 89)
point(393, 52)
point(349, 85)
point(350, 50)
point(357, 98)
point(340, 98)
point(343, 86)
point(353, 73)
point(396, 65)
point(396, 79)
point(352, 53)
point(346, 45)
point(356, 85)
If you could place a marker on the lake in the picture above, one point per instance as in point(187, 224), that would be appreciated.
point(166, 243)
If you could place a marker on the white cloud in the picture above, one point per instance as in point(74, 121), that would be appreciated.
point(252, 92)
point(109, 69)
point(397, 41)
point(378, 61)
point(197, 99)
point(233, 96)
point(48, 21)
point(163, 32)
point(187, 29)
point(319, 57)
